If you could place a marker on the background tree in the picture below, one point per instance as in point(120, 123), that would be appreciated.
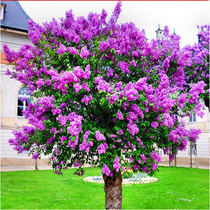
point(187, 65)
point(101, 95)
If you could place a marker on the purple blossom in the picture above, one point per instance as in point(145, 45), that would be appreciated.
point(78, 71)
point(56, 151)
point(61, 49)
point(86, 87)
point(63, 105)
point(135, 54)
point(77, 164)
point(140, 142)
point(102, 85)
point(133, 129)
point(166, 150)
point(24, 98)
point(100, 136)
point(102, 148)
point(50, 140)
point(166, 63)
point(133, 63)
point(106, 170)
point(112, 98)
point(145, 169)
point(40, 82)
point(77, 87)
point(154, 125)
point(84, 52)
point(135, 167)
point(132, 95)
point(103, 45)
point(124, 66)
point(120, 115)
point(72, 50)
point(139, 161)
point(115, 14)
point(86, 74)
point(171, 157)
point(194, 134)
point(48, 82)
point(86, 99)
point(155, 156)
point(85, 144)
point(182, 100)
point(110, 73)
point(35, 156)
point(79, 173)
point(143, 158)
point(116, 164)
point(120, 132)
point(183, 144)
point(154, 166)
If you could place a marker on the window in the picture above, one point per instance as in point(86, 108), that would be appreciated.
point(23, 100)
point(193, 118)
point(3, 6)
point(160, 151)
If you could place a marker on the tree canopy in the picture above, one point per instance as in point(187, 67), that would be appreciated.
point(103, 94)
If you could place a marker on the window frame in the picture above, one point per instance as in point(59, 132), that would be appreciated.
point(3, 6)
point(24, 105)
point(192, 118)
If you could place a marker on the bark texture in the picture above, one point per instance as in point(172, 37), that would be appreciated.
point(113, 191)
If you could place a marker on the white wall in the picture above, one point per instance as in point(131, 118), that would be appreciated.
point(9, 90)
point(202, 147)
point(7, 150)
point(14, 41)
point(9, 87)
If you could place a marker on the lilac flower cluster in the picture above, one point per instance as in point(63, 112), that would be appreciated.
point(106, 170)
point(116, 164)
point(100, 136)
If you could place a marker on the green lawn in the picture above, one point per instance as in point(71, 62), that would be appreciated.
point(177, 188)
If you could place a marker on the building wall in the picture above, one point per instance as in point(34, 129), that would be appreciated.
point(203, 143)
point(8, 105)
point(6, 150)
point(9, 93)
point(9, 87)
point(14, 40)
point(202, 147)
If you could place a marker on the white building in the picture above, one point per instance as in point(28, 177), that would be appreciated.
point(14, 34)
point(201, 153)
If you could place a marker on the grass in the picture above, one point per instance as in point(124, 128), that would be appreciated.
point(177, 188)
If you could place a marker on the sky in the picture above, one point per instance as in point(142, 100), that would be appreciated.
point(181, 16)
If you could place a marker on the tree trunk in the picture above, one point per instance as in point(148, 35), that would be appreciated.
point(36, 165)
point(113, 191)
point(190, 154)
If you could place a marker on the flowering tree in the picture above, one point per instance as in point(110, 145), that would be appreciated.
point(199, 68)
point(101, 95)
point(188, 65)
